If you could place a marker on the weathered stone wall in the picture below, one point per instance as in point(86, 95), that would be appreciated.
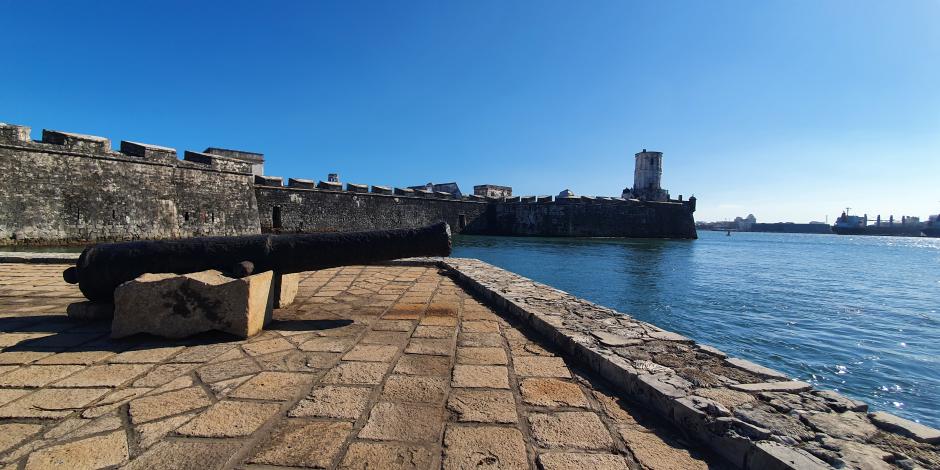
point(72, 188)
point(316, 210)
point(594, 218)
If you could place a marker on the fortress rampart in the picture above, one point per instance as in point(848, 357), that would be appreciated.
point(73, 189)
point(298, 209)
point(594, 217)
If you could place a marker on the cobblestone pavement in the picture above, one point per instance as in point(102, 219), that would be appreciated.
point(377, 367)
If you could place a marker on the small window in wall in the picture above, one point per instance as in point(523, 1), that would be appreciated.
point(461, 221)
point(276, 218)
point(186, 216)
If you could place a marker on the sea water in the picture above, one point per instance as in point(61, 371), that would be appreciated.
point(860, 315)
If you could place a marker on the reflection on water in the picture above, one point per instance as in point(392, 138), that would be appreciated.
point(856, 314)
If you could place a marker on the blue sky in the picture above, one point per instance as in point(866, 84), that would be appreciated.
point(790, 110)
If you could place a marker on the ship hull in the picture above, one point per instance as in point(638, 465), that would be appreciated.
point(895, 231)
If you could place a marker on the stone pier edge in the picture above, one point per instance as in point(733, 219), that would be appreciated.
point(578, 327)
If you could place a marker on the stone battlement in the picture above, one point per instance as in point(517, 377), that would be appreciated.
point(70, 188)
point(277, 182)
point(75, 188)
point(61, 142)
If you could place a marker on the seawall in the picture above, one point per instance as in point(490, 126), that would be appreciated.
point(74, 189)
point(594, 217)
point(753, 416)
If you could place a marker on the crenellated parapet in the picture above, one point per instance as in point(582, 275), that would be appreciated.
point(73, 187)
point(77, 188)
point(92, 146)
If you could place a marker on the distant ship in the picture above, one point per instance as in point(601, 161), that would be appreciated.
point(855, 225)
point(933, 228)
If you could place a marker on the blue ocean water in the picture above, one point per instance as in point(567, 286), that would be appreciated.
point(860, 315)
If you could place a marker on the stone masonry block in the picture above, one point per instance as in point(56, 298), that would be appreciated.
point(13, 134)
point(285, 289)
point(276, 181)
point(330, 185)
point(81, 142)
point(137, 149)
point(916, 431)
point(177, 306)
point(301, 183)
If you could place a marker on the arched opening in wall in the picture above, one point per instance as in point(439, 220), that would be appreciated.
point(461, 221)
point(276, 218)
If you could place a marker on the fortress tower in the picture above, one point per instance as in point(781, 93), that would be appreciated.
point(647, 177)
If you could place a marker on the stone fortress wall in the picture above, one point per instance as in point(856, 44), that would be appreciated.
point(296, 209)
point(74, 189)
point(292, 209)
point(594, 217)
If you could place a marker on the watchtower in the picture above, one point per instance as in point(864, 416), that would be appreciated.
point(648, 172)
point(647, 177)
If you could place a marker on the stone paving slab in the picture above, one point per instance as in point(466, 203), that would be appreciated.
point(387, 366)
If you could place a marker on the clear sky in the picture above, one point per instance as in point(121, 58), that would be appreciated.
point(790, 110)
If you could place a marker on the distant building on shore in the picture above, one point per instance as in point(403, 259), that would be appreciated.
point(745, 224)
point(750, 224)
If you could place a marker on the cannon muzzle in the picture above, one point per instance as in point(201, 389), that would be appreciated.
point(103, 267)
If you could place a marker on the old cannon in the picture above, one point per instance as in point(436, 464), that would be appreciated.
point(103, 267)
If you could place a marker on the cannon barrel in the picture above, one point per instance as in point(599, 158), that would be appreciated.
point(103, 267)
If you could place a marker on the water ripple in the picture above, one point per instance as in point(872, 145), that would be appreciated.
point(857, 314)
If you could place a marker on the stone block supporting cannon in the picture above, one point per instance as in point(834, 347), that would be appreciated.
point(180, 287)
